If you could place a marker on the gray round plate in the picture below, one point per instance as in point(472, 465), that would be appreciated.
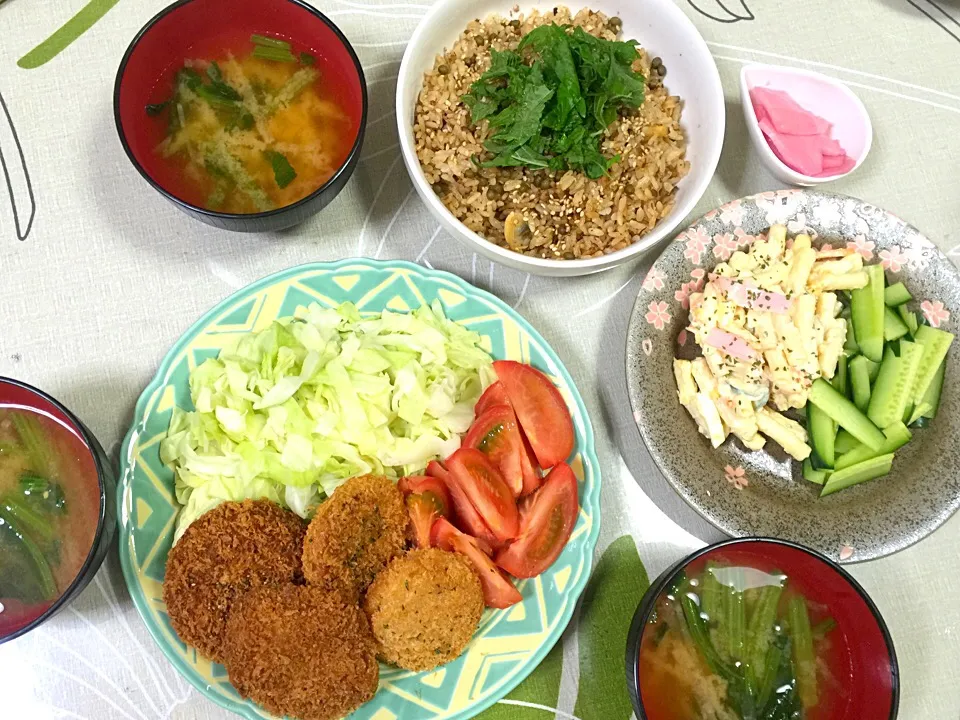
point(748, 493)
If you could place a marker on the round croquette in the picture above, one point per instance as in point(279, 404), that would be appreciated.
point(424, 608)
point(301, 651)
point(226, 551)
point(355, 533)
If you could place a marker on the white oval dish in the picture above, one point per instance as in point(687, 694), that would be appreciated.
point(820, 94)
point(662, 29)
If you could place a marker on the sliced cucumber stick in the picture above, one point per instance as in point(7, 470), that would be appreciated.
point(893, 327)
point(844, 443)
point(931, 398)
point(867, 311)
point(896, 294)
point(839, 381)
point(860, 382)
point(891, 391)
point(845, 414)
point(873, 369)
point(909, 318)
point(897, 436)
point(861, 472)
point(812, 474)
point(935, 345)
point(822, 434)
point(850, 344)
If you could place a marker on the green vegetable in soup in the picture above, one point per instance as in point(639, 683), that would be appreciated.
point(550, 102)
point(42, 494)
point(29, 536)
point(804, 659)
point(283, 172)
point(760, 632)
point(276, 54)
point(31, 437)
point(26, 573)
point(753, 633)
point(264, 41)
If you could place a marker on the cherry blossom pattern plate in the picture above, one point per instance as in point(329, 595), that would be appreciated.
point(747, 493)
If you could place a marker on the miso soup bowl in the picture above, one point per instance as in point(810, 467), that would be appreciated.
point(101, 483)
point(171, 36)
point(872, 677)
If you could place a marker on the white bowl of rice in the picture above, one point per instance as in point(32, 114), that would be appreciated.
point(560, 222)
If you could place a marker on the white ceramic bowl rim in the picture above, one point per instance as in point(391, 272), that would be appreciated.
point(653, 237)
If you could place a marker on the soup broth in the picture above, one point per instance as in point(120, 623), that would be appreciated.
point(730, 641)
point(49, 512)
point(251, 126)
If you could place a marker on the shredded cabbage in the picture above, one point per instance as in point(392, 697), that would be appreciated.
point(291, 412)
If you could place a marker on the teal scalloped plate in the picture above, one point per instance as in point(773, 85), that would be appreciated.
point(509, 643)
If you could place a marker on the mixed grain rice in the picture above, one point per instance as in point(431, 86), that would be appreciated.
point(555, 215)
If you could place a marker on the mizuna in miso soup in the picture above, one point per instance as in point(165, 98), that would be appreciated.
point(733, 642)
point(49, 510)
point(252, 131)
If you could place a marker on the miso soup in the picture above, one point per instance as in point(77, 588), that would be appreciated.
point(49, 511)
point(251, 126)
point(735, 638)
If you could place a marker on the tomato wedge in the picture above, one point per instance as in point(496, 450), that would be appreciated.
point(464, 514)
point(427, 499)
point(498, 591)
point(480, 481)
point(426, 484)
point(496, 434)
point(529, 468)
point(547, 520)
point(542, 413)
point(493, 395)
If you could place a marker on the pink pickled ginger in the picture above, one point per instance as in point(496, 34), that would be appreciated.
point(797, 136)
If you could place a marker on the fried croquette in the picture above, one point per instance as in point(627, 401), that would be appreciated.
point(226, 551)
point(301, 651)
point(424, 608)
point(355, 533)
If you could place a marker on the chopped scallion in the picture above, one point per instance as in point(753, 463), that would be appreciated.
point(307, 59)
point(213, 72)
point(273, 53)
point(264, 41)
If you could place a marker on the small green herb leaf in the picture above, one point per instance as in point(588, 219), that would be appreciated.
point(307, 59)
point(283, 171)
point(549, 103)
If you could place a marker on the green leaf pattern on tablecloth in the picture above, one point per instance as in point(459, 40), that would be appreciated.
point(609, 602)
point(76, 26)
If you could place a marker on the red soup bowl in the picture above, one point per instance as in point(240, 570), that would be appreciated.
point(191, 29)
point(764, 628)
point(57, 510)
